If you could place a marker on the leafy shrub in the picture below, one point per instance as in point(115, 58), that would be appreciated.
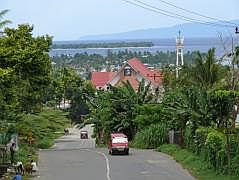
point(25, 153)
point(189, 138)
point(215, 144)
point(151, 137)
point(195, 164)
point(235, 165)
point(200, 139)
point(210, 145)
point(42, 127)
point(45, 143)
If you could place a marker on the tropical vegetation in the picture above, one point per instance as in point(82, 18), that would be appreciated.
point(201, 104)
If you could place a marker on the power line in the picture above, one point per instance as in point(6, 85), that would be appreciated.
point(184, 17)
point(195, 13)
point(171, 14)
point(191, 19)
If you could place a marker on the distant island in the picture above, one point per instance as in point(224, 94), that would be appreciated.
point(102, 45)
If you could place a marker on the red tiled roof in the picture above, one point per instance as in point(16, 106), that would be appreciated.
point(152, 75)
point(101, 78)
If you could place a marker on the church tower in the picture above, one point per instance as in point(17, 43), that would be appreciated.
point(179, 52)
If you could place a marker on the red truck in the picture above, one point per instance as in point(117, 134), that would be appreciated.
point(118, 142)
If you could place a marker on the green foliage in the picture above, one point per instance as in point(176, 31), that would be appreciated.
point(210, 145)
point(9, 104)
point(5, 138)
point(151, 137)
point(26, 153)
point(195, 164)
point(223, 104)
point(84, 61)
point(206, 71)
point(114, 110)
point(45, 143)
point(27, 58)
point(200, 139)
point(42, 126)
point(3, 22)
point(188, 105)
point(147, 114)
point(215, 149)
point(68, 86)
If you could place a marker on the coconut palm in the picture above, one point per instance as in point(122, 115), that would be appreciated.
point(3, 22)
point(206, 72)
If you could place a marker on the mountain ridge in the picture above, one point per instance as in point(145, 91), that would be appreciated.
point(189, 30)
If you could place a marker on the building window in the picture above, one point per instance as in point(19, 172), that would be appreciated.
point(127, 71)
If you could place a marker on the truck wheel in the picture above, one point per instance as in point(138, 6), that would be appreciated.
point(127, 152)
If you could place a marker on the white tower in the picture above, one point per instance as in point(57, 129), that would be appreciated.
point(179, 48)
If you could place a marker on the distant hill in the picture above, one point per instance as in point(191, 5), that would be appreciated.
point(189, 30)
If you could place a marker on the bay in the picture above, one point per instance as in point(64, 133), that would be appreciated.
point(164, 45)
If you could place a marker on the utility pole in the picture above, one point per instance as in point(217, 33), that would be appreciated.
point(179, 52)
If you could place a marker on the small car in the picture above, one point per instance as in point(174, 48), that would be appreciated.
point(118, 143)
point(84, 135)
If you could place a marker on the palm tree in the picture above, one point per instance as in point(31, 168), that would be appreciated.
point(3, 22)
point(205, 73)
point(142, 95)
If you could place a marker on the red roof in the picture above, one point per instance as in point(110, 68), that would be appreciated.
point(101, 78)
point(152, 75)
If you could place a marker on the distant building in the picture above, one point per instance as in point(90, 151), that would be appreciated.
point(133, 71)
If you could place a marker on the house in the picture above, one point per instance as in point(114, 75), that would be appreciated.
point(133, 71)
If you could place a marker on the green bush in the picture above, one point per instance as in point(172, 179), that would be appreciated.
point(25, 153)
point(194, 163)
point(215, 145)
point(210, 145)
point(45, 143)
point(235, 165)
point(189, 138)
point(43, 127)
point(151, 137)
point(200, 140)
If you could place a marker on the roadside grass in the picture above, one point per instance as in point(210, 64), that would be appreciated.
point(101, 145)
point(196, 166)
point(44, 128)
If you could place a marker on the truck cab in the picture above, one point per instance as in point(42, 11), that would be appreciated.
point(118, 143)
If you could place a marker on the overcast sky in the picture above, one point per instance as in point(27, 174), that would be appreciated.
point(72, 19)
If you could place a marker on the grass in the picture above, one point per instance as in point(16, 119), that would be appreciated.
point(196, 166)
point(44, 127)
point(101, 146)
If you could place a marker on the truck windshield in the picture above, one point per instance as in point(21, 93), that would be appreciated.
point(120, 140)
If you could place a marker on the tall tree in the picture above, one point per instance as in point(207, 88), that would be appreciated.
point(29, 59)
point(205, 73)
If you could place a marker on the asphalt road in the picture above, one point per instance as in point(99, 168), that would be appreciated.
point(74, 159)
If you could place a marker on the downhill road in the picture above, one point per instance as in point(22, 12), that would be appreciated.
point(73, 158)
